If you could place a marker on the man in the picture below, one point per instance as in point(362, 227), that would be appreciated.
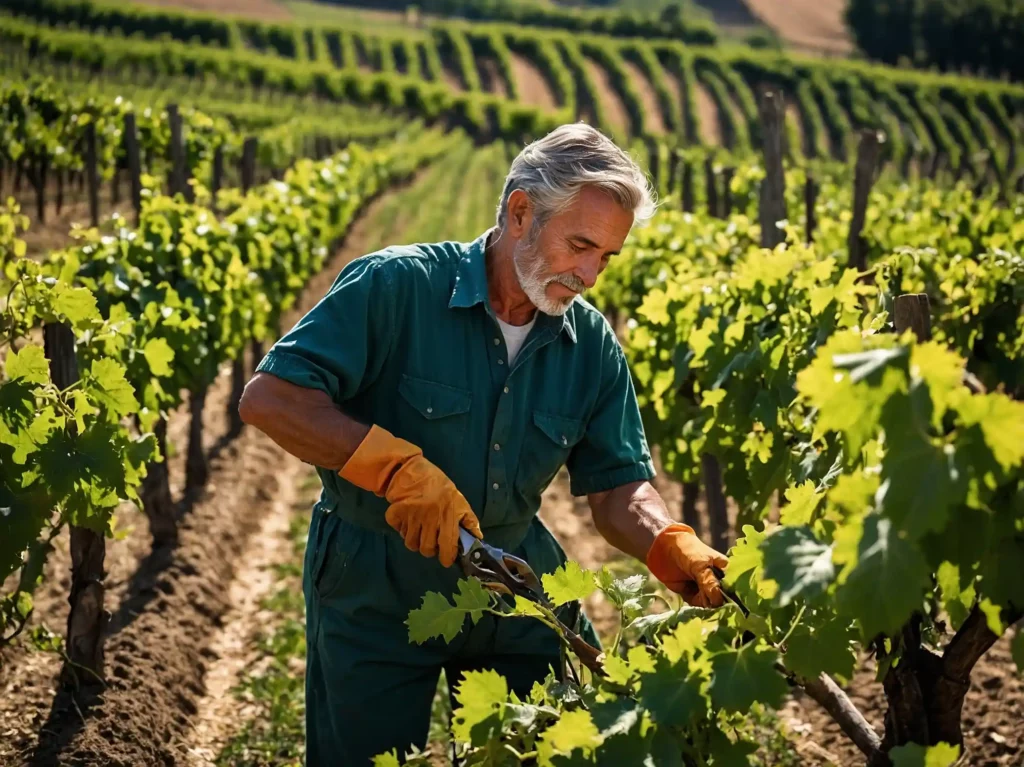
point(444, 385)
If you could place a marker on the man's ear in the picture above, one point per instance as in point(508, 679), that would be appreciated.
point(520, 213)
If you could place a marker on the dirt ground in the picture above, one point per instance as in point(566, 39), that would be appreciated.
point(533, 88)
point(815, 26)
point(614, 109)
point(266, 10)
point(648, 98)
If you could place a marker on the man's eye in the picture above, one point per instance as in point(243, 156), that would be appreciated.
point(576, 248)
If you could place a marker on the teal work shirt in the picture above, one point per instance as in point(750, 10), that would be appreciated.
point(406, 339)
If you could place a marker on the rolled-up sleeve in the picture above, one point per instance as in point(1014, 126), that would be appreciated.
point(340, 345)
point(613, 450)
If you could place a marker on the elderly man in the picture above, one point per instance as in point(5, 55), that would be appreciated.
point(444, 385)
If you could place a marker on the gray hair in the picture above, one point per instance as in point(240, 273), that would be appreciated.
point(552, 171)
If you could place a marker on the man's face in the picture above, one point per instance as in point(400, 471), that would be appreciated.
point(571, 250)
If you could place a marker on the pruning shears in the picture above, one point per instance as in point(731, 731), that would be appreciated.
point(729, 593)
point(499, 571)
point(508, 574)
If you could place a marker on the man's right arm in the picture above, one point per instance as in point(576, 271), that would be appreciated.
point(305, 422)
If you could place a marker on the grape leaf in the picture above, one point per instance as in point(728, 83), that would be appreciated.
point(728, 753)
point(956, 602)
point(798, 562)
point(745, 676)
point(390, 759)
point(159, 355)
point(481, 697)
point(574, 730)
point(29, 365)
point(802, 500)
point(438, 617)
point(672, 693)
point(618, 670)
point(811, 650)
point(76, 304)
point(685, 639)
point(569, 583)
point(914, 755)
point(746, 555)
point(888, 581)
point(107, 385)
point(1001, 421)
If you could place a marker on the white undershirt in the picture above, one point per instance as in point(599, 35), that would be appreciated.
point(515, 335)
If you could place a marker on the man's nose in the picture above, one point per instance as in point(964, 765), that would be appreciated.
point(588, 271)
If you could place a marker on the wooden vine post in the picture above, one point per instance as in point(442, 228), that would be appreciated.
point(87, 619)
point(711, 185)
point(196, 470)
point(42, 171)
point(810, 201)
point(238, 375)
point(92, 177)
point(687, 194)
point(673, 170)
point(868, 152)
point(727, 174)
point(134, 161)
point(772, 208)
point(654, 163)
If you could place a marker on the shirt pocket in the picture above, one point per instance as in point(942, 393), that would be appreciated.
point(546, 446)
point(436, 418)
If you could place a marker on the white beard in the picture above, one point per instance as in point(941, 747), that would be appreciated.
point(534, 280)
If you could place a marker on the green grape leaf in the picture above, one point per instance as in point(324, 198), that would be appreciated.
point(574, 730)
point(76, 304)
point(1001, 421)
point(729, 753)
point(439, 617)
point(29, 365)
point(569, 583)
point(481, 697)
point(803, 501)
point(22, 517)
point(618, 670)
point(685, 639)
point(812, 650)
point(888, 581)
point(390, 759)
point(746, 555)
point(957, 602)
point(993, 616)
point(914, 755)
point(159, 355)
point(798, 562)
point(745, 676)
point(672, 693)
point(107, 385)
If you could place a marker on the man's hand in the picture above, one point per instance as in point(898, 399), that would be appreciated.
point(426, 507)
point(680, 560)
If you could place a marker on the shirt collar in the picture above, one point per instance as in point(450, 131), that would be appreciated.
point(471, 287)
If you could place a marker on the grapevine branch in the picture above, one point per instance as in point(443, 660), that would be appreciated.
point(849, 718)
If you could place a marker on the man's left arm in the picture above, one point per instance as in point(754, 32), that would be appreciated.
point(612, 466)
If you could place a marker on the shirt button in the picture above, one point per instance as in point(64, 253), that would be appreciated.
point(495, 486)
point(497, 446)
point(506, 390)
point(497, 341)
point(564, 440)
point(501, 362)
point(430, 410)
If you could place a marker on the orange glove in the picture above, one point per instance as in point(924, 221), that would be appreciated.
point(680, 560)
point(426, 507)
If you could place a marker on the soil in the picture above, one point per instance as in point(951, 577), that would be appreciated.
point(815, 26)
point(491, 78)
point(654, 119)
point(534, 89)
point(267, 10)
point(614, 109)
point(709, 120)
